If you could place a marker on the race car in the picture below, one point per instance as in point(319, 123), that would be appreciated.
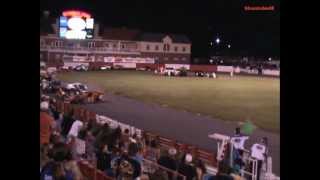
point(76, 87)
point(81, 68)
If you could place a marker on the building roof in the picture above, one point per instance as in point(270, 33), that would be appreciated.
point(120, 34)
point(157, 37)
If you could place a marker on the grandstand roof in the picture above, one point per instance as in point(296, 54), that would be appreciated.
point(120, 34)
point(157, 37)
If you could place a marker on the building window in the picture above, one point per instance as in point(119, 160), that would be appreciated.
point(184, 49)
point(148, 47)
point(114, 46)
point(166, 58)
point(42, 42)
point(41, 56)
point(122, 46)
point(166, 47)
point(176, 49)
point(91, 44)
point(183, 59)
point(106, 45)
point(57, 56)
point(156, 48)
point(176, 59)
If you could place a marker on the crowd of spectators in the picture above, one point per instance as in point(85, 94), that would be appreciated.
point(64, 141)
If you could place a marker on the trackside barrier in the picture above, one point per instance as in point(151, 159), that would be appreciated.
point(207, 157)
point(91, 173)
point(149, 167)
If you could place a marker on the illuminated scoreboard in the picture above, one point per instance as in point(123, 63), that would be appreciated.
point(76, 25)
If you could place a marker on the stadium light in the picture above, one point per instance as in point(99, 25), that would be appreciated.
point(229, 46)
point(270, 59)
point(217, 40)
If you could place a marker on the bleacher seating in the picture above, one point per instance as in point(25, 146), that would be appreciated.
point(165, 143)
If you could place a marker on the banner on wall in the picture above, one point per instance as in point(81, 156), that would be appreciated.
point(271, 72)
point(177, 66)
point(225, 68)
point(129, 60)
point(126, 65)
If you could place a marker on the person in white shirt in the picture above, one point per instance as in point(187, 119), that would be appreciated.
point(75, 128)
point(259, 152)
point(238, 141)
point(214, 75)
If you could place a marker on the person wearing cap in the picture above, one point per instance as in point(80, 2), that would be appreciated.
point(259, 152)
point(238, 141)
point(46, 123)
point(187, 169)
point(167, 160)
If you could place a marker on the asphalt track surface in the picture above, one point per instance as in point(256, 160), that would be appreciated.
point(183, 126)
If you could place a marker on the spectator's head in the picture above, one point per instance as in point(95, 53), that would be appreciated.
point(264, 140)
point(154, 144)
point(60, 153)
point(58, 171)
point(104, 148)
point(117, 133)
point(172, 151)
point(188, 158)
point(134, 136)
point(44, 106)
point(82, 134)
point(44, 149)
point(126, 131)
point(238, 131)
point(133, 149)
point(126, 169)
point(115, 150)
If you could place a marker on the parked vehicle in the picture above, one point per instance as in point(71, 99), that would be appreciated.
point(105, 67)
point(81, 68)
point(171, 71)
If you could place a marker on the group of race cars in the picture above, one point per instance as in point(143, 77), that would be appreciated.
point(76, 93)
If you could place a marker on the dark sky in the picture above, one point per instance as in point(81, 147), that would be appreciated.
point(255, 33)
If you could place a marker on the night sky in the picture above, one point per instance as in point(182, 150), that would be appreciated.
point(249, 33)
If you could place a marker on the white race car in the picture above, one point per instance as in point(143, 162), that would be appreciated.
point(105, 67)
point(77, 87)
point(171, 72)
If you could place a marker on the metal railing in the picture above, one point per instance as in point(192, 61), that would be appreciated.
point(90, 49)
point(150, 167)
